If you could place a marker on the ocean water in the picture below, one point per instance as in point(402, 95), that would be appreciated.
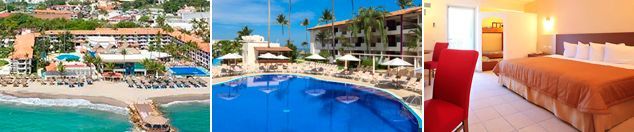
point(35, 116)
point(190, 116)
point(288, 103)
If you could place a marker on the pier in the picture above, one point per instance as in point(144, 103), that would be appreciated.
point(147, 117)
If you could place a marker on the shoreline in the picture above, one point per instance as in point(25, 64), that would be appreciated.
point(106, 100)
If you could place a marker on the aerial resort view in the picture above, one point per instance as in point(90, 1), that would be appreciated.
point(105, 65)
point(294, 65)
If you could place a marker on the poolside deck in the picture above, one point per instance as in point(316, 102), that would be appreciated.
point(399, 92)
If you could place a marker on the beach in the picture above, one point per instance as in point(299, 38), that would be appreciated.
point(107, 92)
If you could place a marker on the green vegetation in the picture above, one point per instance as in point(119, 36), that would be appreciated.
point(244, 32)
point(224, 47)
point(154, 66)
point(201, 29)
point(5, 51)
point(294, 52)
point(126, 24)
point(324, 53)
point(20, 20)
point(3, 63)
point(371, 19)
point(282, 21)
point(179, 51)
point(172, 6)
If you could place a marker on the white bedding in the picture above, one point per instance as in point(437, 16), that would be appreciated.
point(626, 66)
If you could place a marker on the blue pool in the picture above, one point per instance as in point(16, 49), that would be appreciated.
point(67, 57)
point(188, 71)
point(296, 103)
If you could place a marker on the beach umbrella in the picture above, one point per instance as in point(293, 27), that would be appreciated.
point(315, 57)
point(347, 58)
point(282, 57)
point(231, 56)
point(396, 62)
point(267, 56)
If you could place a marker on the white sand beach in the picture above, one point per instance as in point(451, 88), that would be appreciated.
point(107, 92)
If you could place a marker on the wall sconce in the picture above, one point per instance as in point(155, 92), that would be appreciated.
point(549, 25)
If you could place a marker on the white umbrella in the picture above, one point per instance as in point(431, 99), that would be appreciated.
point(267, 56)
point(396, 62)
point(315, 57)
point(230, 56)
point(282, 57)
point(347, 58)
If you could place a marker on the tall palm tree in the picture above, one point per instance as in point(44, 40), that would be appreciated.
point(417, 38)
point(305, 23)
point(281, 19)
point(370, 19)
point(124, 52)
point(97, 62)
point(288, 23)
point(89, 60)
point(403, 4)
point(326, 17)
point(61, 68)
point(268, 42)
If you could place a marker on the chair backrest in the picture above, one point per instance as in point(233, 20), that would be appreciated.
point(438, 48)
point(454, 76)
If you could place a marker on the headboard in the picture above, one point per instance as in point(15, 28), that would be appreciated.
point(602, 38)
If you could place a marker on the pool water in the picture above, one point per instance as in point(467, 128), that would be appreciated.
point(67, 57)
point(188, 71)
point(297, 103)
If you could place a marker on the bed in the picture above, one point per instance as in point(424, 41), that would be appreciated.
point(591, 96)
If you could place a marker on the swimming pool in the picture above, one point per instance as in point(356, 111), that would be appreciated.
point(188, 71)
point(67, 57)
point(282, 102)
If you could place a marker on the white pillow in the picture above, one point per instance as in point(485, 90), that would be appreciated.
point(596, 52)
point(619, 54)
point(582, 51)
point(570, 50)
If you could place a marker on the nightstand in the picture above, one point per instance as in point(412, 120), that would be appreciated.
point(537, 54)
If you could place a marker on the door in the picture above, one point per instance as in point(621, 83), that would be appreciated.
point(461, 27)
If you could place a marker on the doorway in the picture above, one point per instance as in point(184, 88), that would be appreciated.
point(492, 42)
point(461, 24)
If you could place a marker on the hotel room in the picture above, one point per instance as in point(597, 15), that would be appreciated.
point(529, 65)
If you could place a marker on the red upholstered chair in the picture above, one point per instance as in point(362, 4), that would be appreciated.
point(433, 64)
point(449, 104)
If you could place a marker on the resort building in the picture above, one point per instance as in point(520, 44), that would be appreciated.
point(411, 18)
point(540, 65)
point(109, 42)
point(23, 53)
point(255, 45)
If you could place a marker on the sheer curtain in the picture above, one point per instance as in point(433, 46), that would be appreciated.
point(461, 28)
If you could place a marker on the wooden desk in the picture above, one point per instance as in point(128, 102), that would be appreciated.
point(427, 51)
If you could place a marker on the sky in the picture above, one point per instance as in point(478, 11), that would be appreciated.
point(230, 16)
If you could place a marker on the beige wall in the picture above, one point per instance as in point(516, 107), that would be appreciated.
point(491, 42)
point(581, 16)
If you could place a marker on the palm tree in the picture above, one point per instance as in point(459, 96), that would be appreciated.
point(97, 62)
point(305, 23)
point(89, 60)
point(109, 66)
point(281, 19)
point(268, 42)
point(370, 19)
point(61, 68)
point(323, 36)
point(244, 32)
point(327, 16)
point(416, 39)
point(403, 4)
point(124, 52)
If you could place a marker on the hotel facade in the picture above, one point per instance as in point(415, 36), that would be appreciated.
point(411, 18)
point(105, 38)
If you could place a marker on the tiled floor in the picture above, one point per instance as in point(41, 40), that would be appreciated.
point(493, 108)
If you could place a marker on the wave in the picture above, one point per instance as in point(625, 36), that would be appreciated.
point(76, 103)
point(186, 102)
